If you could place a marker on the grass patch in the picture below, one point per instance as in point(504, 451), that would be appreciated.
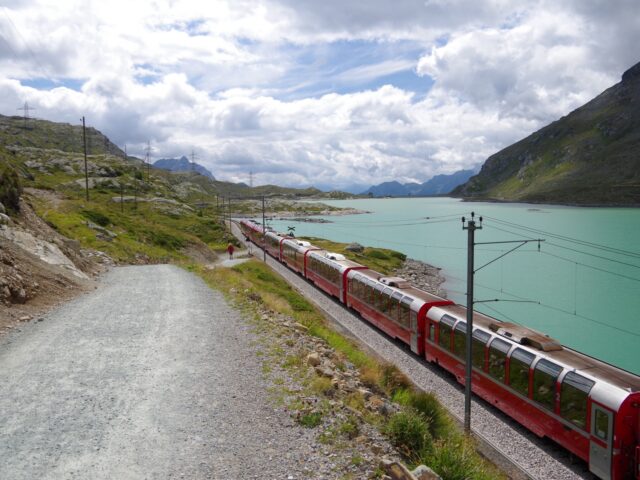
point(310, 420)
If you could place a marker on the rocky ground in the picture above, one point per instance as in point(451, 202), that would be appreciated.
point(424, 276)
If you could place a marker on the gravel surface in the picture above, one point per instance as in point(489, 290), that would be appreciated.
point(150, 376)
point(539, 458)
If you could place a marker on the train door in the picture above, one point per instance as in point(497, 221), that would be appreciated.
point(414, 331)
point(601, 441)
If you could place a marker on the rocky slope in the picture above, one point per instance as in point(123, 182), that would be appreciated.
point(38, 267)
point(590, 156)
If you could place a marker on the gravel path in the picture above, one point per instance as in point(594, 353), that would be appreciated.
point(539, 458)
point(148, 377)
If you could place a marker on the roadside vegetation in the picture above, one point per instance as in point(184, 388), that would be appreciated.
point(417, 424)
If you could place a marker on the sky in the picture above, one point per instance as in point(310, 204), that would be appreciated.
point(332, 93)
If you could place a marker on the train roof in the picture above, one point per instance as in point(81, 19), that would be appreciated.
point(549, 348)
point(401, 285)
point(335, 258)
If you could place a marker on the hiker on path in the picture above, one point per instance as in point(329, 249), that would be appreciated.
point(230, 250)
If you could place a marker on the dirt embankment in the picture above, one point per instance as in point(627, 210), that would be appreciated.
point(40, 268)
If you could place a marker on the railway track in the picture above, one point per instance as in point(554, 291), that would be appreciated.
point(518, 452)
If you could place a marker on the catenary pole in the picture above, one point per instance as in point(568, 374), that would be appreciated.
point(86, 172)
point(264, 234)
point(471, 228)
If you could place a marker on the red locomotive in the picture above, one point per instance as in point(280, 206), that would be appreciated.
point(589, 407)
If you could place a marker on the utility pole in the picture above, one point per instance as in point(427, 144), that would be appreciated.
point(471, 230)
point(122, 183)
point(193, 161)
point(26, 109)
point(86, 172)
point(148, 158)
point(264, 234)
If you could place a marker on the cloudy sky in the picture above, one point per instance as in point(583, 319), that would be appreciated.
point(333, 93)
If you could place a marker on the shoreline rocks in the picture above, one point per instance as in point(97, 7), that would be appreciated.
point(423, 276)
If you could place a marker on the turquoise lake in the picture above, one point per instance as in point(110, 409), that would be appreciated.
point(582, 287)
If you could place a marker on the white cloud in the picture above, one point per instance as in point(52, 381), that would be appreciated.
point(215, 76)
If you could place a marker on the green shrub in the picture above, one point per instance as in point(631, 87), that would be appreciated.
point(350, 428)
point(310, 420)
point(398, 255)
point(165, 240)
point(96, 217)
point(10, 188)
point(373, 253)
point(428, 405)
point(456, 460)
point(409, 432)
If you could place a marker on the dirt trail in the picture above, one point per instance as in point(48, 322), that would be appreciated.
point(150, 376)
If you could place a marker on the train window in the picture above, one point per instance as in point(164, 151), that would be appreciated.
point(460, 339)
point(519, 370)
point(478, 345)
point(574, 392)
point(545, 376)
point(601, 425)
point(405, 312)
point(398, 316)
point(432, 331)
point(446, 326)
point(498, 358)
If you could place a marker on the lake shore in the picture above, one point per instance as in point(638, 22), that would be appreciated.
point(423, 276)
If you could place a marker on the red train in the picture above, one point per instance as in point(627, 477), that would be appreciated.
point(589, 407)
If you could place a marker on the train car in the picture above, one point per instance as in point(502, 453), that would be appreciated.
point(392, 304)
point(328, 271)
point(294, 254)
point(273, 243)
point(589, 407)
point(251, 231)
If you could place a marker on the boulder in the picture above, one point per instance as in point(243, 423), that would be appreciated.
point(423, 472)
point(2, 209)
point(313, 359)
point(354, 247)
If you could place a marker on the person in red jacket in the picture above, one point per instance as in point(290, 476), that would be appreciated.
point(230, 250)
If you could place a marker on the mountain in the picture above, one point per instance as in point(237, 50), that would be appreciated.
point(591, 156)
point(182, 164)
point(443, 184)
point(438, 185)
point(65, 137)
point(389, 189)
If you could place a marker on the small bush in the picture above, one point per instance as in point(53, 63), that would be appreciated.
point(310, 420)
point(393, 379)
point(409, 432)
point(456, 461)
point(398, 255)
point(377, 254)
point(10, 188)
point(321, 385)
point(96, 217)
point(428, 405)
point(350, 428)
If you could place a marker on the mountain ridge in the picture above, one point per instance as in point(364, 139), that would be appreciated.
point(588, 157)
point(437, 185)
